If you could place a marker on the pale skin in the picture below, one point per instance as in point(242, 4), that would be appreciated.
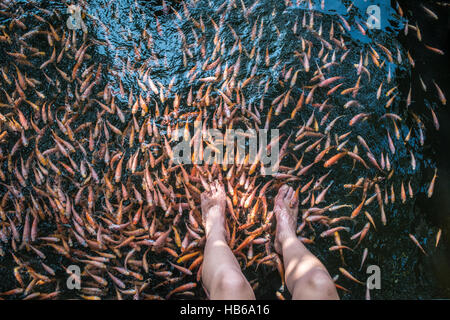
point(305, 276)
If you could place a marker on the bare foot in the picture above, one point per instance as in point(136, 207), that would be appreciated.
point(213, 208)
point(286, 212)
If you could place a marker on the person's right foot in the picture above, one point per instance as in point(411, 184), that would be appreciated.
point(286, 212)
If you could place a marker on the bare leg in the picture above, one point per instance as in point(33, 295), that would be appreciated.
point(306, 277)
point(221, 273)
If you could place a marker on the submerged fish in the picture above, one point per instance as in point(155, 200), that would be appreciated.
point(94, 157)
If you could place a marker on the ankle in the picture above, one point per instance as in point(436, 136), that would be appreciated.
point(286, 237)
point(215, 230)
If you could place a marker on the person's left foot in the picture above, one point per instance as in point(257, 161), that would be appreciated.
point(213, 208)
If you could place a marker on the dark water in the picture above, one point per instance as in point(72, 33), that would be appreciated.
point(432, 273)
point(405, 272)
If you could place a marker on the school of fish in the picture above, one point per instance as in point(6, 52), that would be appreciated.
point(87, 176)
